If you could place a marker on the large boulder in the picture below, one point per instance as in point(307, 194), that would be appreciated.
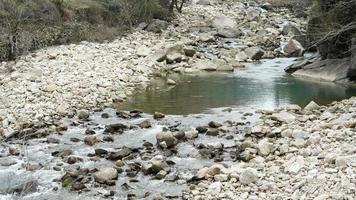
point(333, 70)
point(293, 48)
point(226, 27)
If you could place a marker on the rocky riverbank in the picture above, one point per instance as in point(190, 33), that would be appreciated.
point(60, 81)
point(291, 154)
point(229, 154)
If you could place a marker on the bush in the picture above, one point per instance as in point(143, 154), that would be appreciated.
point(27, 25)
point(332, 26)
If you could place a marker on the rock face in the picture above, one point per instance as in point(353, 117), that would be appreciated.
point(333, 70)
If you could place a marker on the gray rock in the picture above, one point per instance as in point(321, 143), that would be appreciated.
point(166, 139)
point(90, 140)
point(283, 117)
point(221, 22)
point(106, 174)
point(143, 51)
point(83, 114)
point(254, 53)
point(122, 153)
point(157, 26)
point(334, 70)
point(205, 65)
point(161, 174)
point(158, 163)
point(264, 147)
point(311, 106)
point(293, 49)
point(145, 124)
point(248, 176)
point(158, 115)
point(6, 162)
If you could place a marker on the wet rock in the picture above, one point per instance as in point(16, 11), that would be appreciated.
point(105, 175)
point(74, 159)
point(90, 140)
point(212, 132)
point(158, 164)
point(108, 138)
point(179, 135)
point(293, 49)
point(161, 174)
point(166, 140)
point(248, 176)
point(202, 129)
point(213, 124)
point(158, 115)
point(311, 106)
point(192, 134)
point(100, 151)
point(90, 132)
point(254, 53)
point(120, 163)
point(62, 153)
point(78, 186)
point(145, 124)
point(115, 128)
point(119, 155)
point(74, 139)
point(83, 115)
point(105, 115)
point(33, 166)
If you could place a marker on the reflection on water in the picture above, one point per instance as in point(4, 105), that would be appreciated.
point(263, 85)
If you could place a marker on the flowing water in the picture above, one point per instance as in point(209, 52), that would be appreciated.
point(202, 98)
point(262, 85)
